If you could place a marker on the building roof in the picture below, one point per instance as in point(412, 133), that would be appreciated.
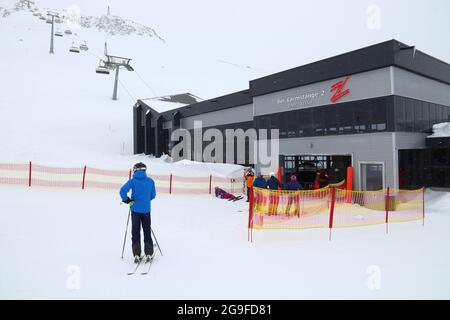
point(389, 53)
point(223, 102)
point(170, 102)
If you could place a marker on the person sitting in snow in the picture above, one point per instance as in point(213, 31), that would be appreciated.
point(143, 191)
point(222, 194)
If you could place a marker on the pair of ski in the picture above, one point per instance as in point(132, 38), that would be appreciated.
point(146, 262)
point(236, 198)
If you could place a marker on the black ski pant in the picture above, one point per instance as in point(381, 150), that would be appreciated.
point(138, 219)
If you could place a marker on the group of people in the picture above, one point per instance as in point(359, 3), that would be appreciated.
point(272, 183)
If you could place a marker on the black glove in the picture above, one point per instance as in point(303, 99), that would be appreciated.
point(127, 200)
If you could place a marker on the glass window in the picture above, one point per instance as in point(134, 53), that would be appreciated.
point(330, 115)
point(361, 116)
point(378, 112)
point(371, 176)
point(319, 121)
point(306, 123)
point(409, 111)
point(293, 123)
point(283, 124)
point(426, 115)
point(433, 115)
point(446, 113)
point(345, 118)
point(400, 116)
point(439, 113)
point(418, 119)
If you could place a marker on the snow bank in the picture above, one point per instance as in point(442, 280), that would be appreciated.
point(441, 130)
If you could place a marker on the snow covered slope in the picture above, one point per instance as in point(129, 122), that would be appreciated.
point(54, 109)
point(70, 248)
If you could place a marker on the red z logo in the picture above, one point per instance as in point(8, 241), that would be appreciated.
point(338, 87)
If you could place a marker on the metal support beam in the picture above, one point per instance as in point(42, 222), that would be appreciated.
point(116, 80)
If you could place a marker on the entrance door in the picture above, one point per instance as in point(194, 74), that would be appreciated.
point(372, 176)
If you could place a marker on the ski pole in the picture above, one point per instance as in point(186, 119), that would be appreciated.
point(156, 241)
point(125, 238)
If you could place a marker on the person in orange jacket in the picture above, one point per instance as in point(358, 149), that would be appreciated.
point(249, 182)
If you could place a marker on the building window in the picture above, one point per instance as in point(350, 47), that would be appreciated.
point(345, 118)
point(362, 117)
point(292, 124)
point(378, 112)
point(306, 123)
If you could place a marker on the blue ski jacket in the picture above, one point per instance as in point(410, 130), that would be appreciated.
point(260, 183)
point(294, 185)
point(143, 191)
point(273, 183)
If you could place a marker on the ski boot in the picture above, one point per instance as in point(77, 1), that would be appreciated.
point(136, 252)
point(149, 252)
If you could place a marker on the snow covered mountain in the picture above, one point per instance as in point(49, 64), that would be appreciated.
point(55, 109)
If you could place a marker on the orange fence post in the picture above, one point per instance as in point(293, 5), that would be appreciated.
point(129, 174)
point(170, 185)
point(250, 217)
point(349, 185)
point(387, 210)
point(84, 178)
point(29, 174)
point(333, 199)
point(279, 176)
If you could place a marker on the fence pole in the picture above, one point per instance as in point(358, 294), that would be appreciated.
point(387, 210)
point(29, 174)
point(250, 217)
point(170, 184)
point(129, 174)
point(333, 199)
point(423, 206)
point(210, 183)
point(84, 178)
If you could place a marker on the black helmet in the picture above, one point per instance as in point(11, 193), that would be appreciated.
point(139, 166)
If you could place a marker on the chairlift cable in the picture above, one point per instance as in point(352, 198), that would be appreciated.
point(131, 96)
point(148, 86)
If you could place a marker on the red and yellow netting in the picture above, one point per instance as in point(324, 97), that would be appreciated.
point(36, 175)
point(332, 207)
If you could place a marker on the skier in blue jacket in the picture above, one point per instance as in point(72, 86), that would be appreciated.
point(142, 193)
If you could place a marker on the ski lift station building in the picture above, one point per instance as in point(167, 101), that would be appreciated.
point(371, 109)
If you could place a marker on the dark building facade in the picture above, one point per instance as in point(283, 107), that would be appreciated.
point(369, 108)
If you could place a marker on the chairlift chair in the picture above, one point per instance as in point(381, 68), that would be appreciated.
point(68, 31)
point(49, 20)
point(74, 49)
point(102, 68)
point(42, 17)
point(84, 46)
point(58, 20)
point(58, 34)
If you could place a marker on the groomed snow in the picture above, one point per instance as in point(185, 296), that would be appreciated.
point(206, 254)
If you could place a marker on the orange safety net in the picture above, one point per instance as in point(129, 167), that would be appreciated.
point(332, 207)
point(35, 175)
